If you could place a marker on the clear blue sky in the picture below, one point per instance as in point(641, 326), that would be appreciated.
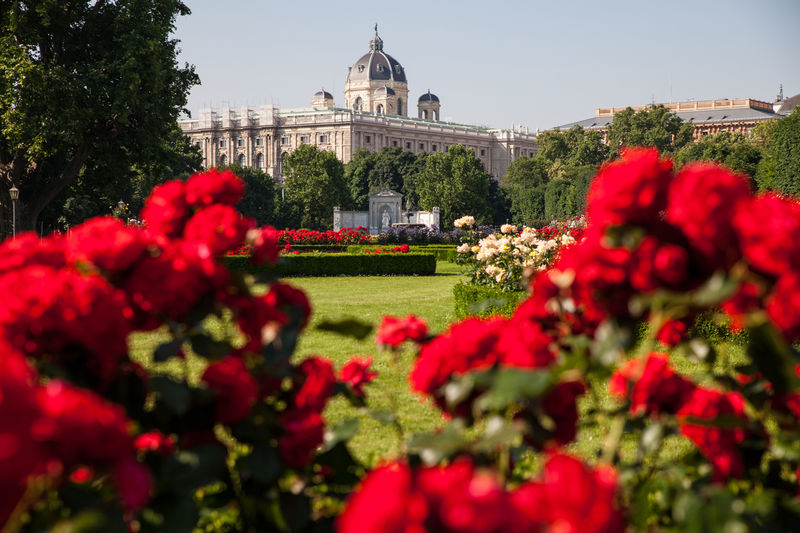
point(538, 63)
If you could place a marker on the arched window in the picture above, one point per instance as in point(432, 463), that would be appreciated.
point(260, 161)
point(399, 106)
point(241, 160)
point(359, 103)
point(223, 160)
point(425, 113)
point(379, 110)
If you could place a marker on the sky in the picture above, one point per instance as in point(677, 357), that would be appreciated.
point(536, 63)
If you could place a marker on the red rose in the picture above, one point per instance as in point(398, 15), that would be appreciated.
point(214, 187)
point(561, 405)
point(303, 433)
point(259, 319)
point(315, 386)
point(659, 389)
point(236, 390)
point(107, 243)
point(165, 210)
point(382, 503)
point(569, 497)
point(656, 265)
point(394, 331)
point(765, 224)
point(28, 250)
point(632, 190)
point(81, 427)
point(156, 442)
point(264, 241)
point(523, 344)
point(783, 306)
point(672, 332)
point(134, 484)
point(291, 301)
point(356, 373)
point(746, 300)
point(702, 200)
point(220, 227)
point(720, 445)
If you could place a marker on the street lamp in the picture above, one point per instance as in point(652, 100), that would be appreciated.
point(14, 193)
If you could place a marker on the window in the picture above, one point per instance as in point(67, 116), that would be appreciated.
point(361, 68)
point(399, 106)
point(260, 161)
point(239, 142)
point(394, 143)
point(323, 138)
point(358, 105)
point(398, 69)
point(483, 152)
point(241, 160)
point(433, 147)
point(379, 110)
point(408, 146)
point(223, 160)
point(421, 146)
point(284, 139)
point(258, 141)
point(367, 138)
point(380, 68)
point(425, 114)
point(304, 138)
point(222, 143)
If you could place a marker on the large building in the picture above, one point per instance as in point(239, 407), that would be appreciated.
point(374, 116)
point(707, 117)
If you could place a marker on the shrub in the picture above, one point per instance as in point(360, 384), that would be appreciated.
point(478, 300)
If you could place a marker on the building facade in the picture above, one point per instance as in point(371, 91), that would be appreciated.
point(375, 116)
point(708, 117)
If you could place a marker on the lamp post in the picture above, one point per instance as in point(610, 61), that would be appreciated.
point(14, 193)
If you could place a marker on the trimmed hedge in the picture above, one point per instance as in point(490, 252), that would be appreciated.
point(478, 300)
point(327, 248)
point(342, 264)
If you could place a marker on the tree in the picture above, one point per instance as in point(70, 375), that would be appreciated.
point(524, 186)
point(85, 87)
point(653, 126)
point(574, 147)
point(259, 194)
point(357, 174)
point(391, 168)
point(457, 183)
point(314, 185)
point(780, 168)
point(731, 149)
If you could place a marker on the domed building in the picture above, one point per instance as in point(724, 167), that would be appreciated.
point(376, 82)
point(374, 117)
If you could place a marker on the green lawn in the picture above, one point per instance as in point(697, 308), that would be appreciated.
point(368, 299)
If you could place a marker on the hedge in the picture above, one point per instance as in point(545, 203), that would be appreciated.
point(327, 248)
point(478, 300)
point(343, 264)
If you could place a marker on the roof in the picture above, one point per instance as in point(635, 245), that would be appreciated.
point(428, 97)
point(384, 90)
point(788, 105)
point(323, 94)
point(377, 65)
point(705, 116)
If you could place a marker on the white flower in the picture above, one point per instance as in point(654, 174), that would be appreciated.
point(464, 248)
point(464, 221)
point(508, 228)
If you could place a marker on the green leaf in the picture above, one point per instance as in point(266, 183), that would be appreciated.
point(176, 395)
point(717, 289)
point(205, 346)
point(341, 432)
point(167, 350)
point(652, 437)
point(773, 357)
point(458, 390)
point(347, 327)
point(262, 464)
point(498, 433)
point(511, 385)
point(188, 470)
point(433, 447)
point(384, 416)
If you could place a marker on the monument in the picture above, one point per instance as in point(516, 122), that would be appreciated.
point(385, 210)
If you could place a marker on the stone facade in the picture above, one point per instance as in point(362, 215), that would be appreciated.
point(385, 209)
point(374, 117)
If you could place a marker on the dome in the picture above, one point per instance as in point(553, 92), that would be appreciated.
point(377, 65)
point(323, 94)
point(381, 91)
point(428, 97)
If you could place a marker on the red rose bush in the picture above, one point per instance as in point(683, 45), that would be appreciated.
point(609, 401)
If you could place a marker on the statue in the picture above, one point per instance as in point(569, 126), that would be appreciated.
point(385, 220)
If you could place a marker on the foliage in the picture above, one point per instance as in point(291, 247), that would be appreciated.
point(524, 185)
point(77, 86)
point(731, 149)
point(314, 186)
point(343, 264)
point(258, 201)
point(780, 167)
point(572, 148)
point(455, 182)
point(654, 126)
point(391, 168)
point(483, 301)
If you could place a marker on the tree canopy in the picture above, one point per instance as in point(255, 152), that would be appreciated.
point(653, 126)
point(391, 168)
point(86, 88)
point(457, 183)
point(574, 147)
point(779, 170)
point(731, 149)
point(314, 181)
